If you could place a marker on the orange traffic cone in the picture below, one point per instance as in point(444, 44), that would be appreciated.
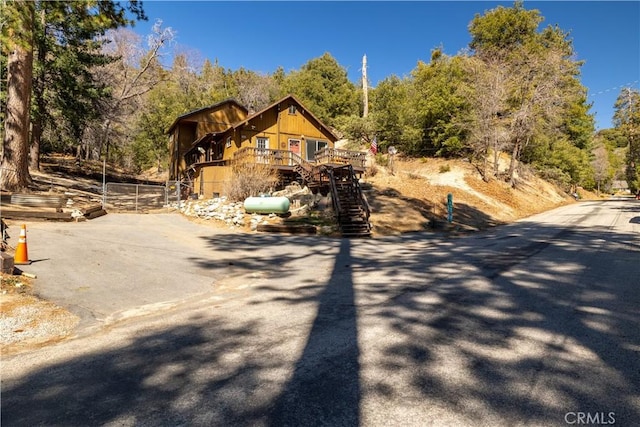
point(21, 257)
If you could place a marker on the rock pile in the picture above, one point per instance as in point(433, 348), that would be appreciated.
point(219, 209)
point(233, 213)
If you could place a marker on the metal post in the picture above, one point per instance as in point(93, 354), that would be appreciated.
point(450, 207)
point(104, 185)
point(166, 194)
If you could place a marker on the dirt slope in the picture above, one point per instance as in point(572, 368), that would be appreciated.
point(414, 197)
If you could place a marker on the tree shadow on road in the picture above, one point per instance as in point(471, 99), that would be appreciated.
point(325, 386)
point(161, 378)
point(516, 325)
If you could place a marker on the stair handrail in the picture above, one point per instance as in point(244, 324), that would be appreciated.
point(356, 188)
point(356, 182)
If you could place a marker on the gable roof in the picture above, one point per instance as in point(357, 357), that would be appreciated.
point(209, 107)
point(322, 125)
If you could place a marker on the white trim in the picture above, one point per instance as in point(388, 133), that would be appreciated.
point(263, 138)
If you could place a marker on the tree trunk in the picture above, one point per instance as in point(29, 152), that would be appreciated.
point(514, 161)
point(14, 173)
point(496, 161)
point(485, 167)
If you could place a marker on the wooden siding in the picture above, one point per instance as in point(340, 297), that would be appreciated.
point(218, 120)
point(195, 126)
point(177, 140)
point(279, 127)
point(211, 180)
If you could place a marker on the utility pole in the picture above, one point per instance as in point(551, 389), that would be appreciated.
point(365, 94)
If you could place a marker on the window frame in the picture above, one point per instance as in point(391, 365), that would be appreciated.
point(310, 154)
point(262, 138)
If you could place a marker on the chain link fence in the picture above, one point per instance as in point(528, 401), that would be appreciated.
point(141, 197)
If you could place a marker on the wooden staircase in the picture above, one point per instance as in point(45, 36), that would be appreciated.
point(352, 210)
point(312, 175)
point(305, 170)
point(350, 207)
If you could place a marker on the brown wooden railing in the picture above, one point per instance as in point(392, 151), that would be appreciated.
point(351, 208)
point(288, 158)
point(266, 156)
point(339, 156)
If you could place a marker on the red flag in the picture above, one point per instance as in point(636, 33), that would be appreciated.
point(374, 145)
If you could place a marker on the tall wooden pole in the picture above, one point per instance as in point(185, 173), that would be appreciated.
point(365, 94)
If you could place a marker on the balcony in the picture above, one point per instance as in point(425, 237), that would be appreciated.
point(284, 159)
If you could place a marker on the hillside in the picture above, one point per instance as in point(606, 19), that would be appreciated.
point(414, 197)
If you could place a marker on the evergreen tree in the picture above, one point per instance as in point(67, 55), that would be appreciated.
point(323, 87)
point(389, 104)
point(438, 105)
point(17, 45)
point(627, 120)
point(543, 95)
point(66, 34)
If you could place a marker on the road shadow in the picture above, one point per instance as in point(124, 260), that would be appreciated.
point(490, 292)
point(161, 378)
point(481, 299)
point(325, 386)
point(516, 325)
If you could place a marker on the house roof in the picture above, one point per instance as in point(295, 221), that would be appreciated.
point(322, 125)
point(209, 107)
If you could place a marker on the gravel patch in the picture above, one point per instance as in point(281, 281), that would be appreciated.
point(26, 321)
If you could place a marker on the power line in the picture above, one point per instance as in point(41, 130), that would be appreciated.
point(630, 84)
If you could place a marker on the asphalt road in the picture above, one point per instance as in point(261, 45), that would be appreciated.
point(534, 323)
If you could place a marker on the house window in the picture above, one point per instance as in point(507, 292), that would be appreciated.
point(262, 150)
point(314, 145)
point(228, 145)
point(292, 109)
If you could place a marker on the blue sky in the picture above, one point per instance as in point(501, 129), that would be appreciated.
point(263, 35)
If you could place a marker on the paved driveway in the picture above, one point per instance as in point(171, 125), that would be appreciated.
point(123, 264)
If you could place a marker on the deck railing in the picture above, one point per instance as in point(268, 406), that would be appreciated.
point(346, 157)
point(289, 158)
point(266, 156)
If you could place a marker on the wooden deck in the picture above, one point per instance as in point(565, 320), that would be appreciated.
point(287, 160)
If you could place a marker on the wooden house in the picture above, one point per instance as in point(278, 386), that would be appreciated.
point(208, 143)
point(285, 135)
point(196, 126)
